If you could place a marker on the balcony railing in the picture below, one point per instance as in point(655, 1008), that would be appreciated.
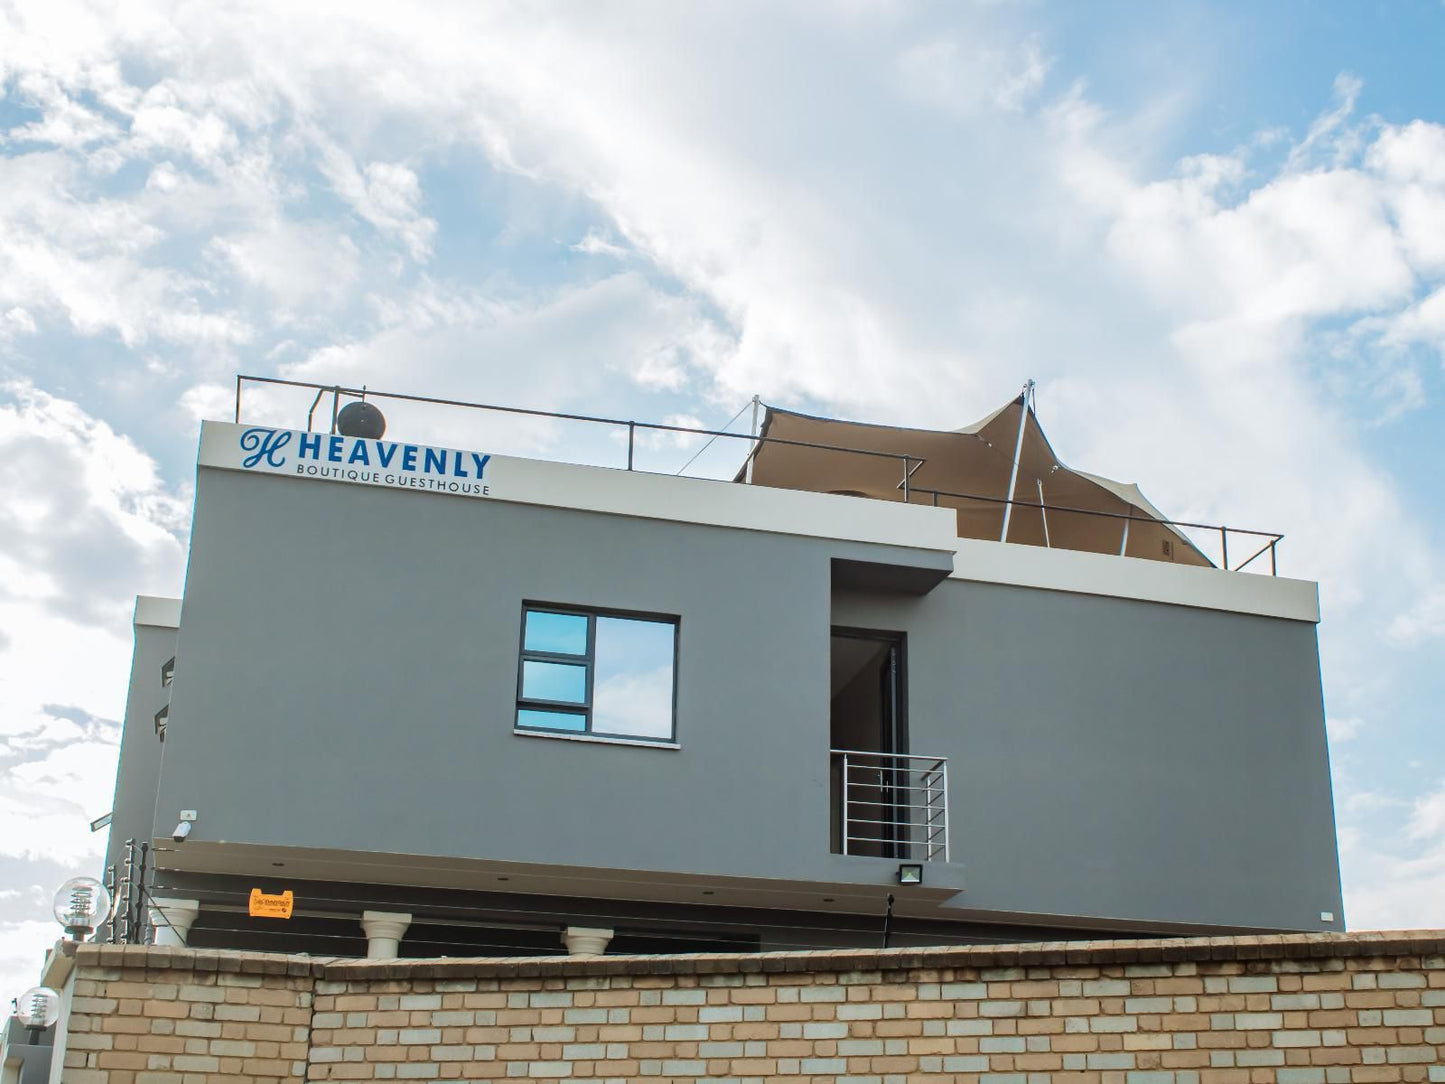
point(891, 805)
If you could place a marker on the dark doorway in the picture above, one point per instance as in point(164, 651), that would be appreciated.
point(869, 730)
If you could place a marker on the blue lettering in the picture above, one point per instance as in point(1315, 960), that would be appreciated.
point(333, 451)
point(408, 457)
point(481, 462)
point(358, 454)
point(385, 453)
point(264, 444)
point(309, 447)
point(458, 469)
point(435, 457)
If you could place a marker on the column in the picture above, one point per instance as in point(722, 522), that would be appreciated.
point(585, 940)
point(171, 919)
point(384, 931)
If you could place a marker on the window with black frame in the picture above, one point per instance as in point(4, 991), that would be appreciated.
point(589, 672)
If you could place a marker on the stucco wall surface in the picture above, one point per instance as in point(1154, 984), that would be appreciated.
point(351, 656)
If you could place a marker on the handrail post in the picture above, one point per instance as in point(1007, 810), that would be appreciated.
point(753, 444)
point(944, 773)
point(1224, 546)
point(1273, 570)
point(238, 398)
point(335, 406)
point(907, 474)
point(631, 433)
point(843, 804)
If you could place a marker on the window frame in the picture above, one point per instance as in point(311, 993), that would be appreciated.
point(588, 662)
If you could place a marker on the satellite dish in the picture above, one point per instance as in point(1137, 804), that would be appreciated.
point(361, 419)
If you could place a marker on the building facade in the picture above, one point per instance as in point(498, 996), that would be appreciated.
point(461, 702)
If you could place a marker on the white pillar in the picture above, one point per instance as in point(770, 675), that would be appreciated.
point(585, 940)
point(171, 919)
point(384, 931)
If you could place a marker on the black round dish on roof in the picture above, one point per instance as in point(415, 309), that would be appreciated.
point(361, 419)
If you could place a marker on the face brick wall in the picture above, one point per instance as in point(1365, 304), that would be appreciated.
point(1311, 1009)
point(142, 1015)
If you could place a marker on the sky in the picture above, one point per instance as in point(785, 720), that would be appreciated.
point(1214, 233)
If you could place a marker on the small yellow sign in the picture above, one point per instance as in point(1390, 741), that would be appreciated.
point(264, 906)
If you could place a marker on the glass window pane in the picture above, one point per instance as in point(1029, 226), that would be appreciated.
point(554, 681)
point(632, 685)
point(551, 720)
point(562, 634)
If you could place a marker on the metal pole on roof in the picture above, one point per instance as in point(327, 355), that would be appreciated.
point(753, 445)
point(1018, 453)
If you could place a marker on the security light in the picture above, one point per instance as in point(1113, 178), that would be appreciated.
point(910, 874)
point(38, 1007)
point(81, 904)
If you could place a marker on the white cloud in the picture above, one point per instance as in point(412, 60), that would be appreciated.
point(969, 80)
point(85, 511)
point(595, 244)
point(86, 525)
point(1397, 881)
point(1423, 621)
point(22, 952)
point(385, 194)
point(567, 350)
point(1343, 728)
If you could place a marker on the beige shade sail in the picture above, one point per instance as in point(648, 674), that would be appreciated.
point(969, 470)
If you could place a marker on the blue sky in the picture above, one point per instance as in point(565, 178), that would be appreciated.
point(1214, 233)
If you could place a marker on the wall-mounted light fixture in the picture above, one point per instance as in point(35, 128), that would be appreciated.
point(910, 873)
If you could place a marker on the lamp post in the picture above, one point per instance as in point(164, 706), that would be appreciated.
point(81, 905)
point(37, 1008)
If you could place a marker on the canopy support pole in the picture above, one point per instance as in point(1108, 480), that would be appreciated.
point(1043, 513)
point(1018, 452)
point(1124, 544)
point(753, 444)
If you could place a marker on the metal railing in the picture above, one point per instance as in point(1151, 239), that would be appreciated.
point(910, 463)
point(1272, 538)
point(892, 805)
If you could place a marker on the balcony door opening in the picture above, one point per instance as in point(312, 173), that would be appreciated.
point(869, 736)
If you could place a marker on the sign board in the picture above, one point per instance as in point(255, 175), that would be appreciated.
point(390, 464)
point(271, 906)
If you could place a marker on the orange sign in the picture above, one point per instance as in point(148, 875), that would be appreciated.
point(264, 906)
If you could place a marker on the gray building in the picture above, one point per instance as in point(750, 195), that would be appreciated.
point(457, 703)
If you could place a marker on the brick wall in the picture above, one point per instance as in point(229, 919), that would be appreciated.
point(1310, 1009)
point(144, 1015)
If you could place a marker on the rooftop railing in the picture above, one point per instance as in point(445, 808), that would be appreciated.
point(1272, 538)
point(908, 464)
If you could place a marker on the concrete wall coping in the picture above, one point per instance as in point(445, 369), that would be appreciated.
point(164, 613)
point(1387, 943)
